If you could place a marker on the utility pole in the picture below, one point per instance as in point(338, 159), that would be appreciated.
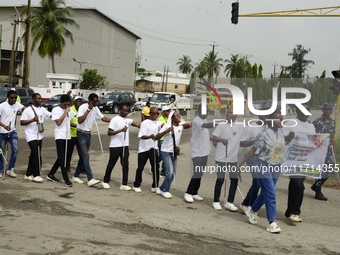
point(163, 78)
point(26, 74)
point(11, 65)
point(166, 82)
point(211, 65)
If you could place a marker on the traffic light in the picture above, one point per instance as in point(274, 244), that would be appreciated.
point(234, 13)
point(336, 82)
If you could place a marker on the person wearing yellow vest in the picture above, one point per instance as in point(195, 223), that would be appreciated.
point(164, 119)
point(146, 112)
point(18, 98)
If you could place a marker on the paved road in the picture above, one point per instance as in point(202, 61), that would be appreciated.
point(49, 218)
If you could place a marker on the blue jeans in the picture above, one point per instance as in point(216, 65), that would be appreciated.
point(169, 164)
point(267, 195)
point(254, 189)
point(220, 179)
point(160, 158)
point(84, 141)
point(12, 137)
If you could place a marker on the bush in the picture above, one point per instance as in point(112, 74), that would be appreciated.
point(90, 79)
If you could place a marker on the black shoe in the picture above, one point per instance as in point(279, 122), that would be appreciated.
point(68, 184)
point(52, 178)
point(320, 196)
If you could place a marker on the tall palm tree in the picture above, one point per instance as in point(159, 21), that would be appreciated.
point(213, 64)
point(48, 27)
point(201, 69)
point(185, 65)
point(231, 66)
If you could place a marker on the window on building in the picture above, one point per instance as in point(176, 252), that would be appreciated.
point(74, 85)
point(176, 86)
point(156, 85)
point(54, 85)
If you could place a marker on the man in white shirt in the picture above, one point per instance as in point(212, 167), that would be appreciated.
point(86, 114)
point(8, 134)
point(30, 118)
point(199, 150)
point(296, 187)
point(230, 134)
point(119, 132)
point(147, 150)
point(62, 116)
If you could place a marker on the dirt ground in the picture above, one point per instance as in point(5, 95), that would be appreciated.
point(49, 218)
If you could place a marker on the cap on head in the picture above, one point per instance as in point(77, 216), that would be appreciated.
point(165, 108)
point(327, 105)
point(13, 89)
point(70, 91)
point(77, 98)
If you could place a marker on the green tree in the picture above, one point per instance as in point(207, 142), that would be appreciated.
point(231, 66)
point(201, 69)
point(300, 64)
point(90, 79)
point(213, 64)
point(185, 65)
point(49, 22)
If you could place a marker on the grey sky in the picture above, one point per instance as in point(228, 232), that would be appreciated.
point(202, 22)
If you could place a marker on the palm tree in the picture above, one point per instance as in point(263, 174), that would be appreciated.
point(185, 65)
point(231, 67)
point(213, 64)
point(48, 27)
point(201, 69)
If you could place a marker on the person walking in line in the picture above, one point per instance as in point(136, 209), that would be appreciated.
point(148, 150)
point(325, 125)
point(146, 111)
point(199, 150)
point(164, 118)
point(296, 187)
point(172, 133)
point(86, 114)
point(119, 146)
point(247, 141)
point(270, 142)
point(74, 140)
point(230, 134)
point(31, 118)
point(62, 116)
point(8, 134)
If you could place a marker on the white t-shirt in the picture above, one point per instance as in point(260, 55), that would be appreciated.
point(63, 131)
point(200, 141)
point(118, 123)
point(8, 114)
point(234, 136)
point(148, 127)
point(304, 127)
point(251, 132)
point(31, 130)
point(86, 125)
point(167, 145)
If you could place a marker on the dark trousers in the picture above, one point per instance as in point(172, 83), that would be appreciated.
point(60, 162)
point(195, 182)
point(220, 179)
point(143, 157)
point(33, 161)
point(295, 195)
point(116, 153)
point(73, 142)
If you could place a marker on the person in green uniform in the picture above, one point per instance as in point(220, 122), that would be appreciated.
point(164, 119)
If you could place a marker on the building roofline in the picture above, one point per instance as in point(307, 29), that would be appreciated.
point(81, 8)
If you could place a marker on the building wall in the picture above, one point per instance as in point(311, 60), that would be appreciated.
point(110, 49)
point(146, 86)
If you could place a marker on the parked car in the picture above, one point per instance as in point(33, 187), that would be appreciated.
point(54, 102)
point(25, 95)
point(111, 101)
point(258, 104)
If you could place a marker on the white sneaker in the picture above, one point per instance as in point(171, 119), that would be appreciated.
point(166, 195)
point(105, 185)
point(253, 217)
point(92, 182)
point(197, 197)
point(245, 209)
point(230, 206)
point(138, 190)
point(154, 190)
point(158, 191)
point(294, 218)
point(273, 228)
point(124, 187)
point(37, 179)
point(29, 178)
point(11, 173)
point(216, 206)
point(0, 175)
point(77, 180)
point(188, 198)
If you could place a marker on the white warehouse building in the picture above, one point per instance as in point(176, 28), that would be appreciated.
point(108, 46)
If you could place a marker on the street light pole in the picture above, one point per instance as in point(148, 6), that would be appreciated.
point(80, 64)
